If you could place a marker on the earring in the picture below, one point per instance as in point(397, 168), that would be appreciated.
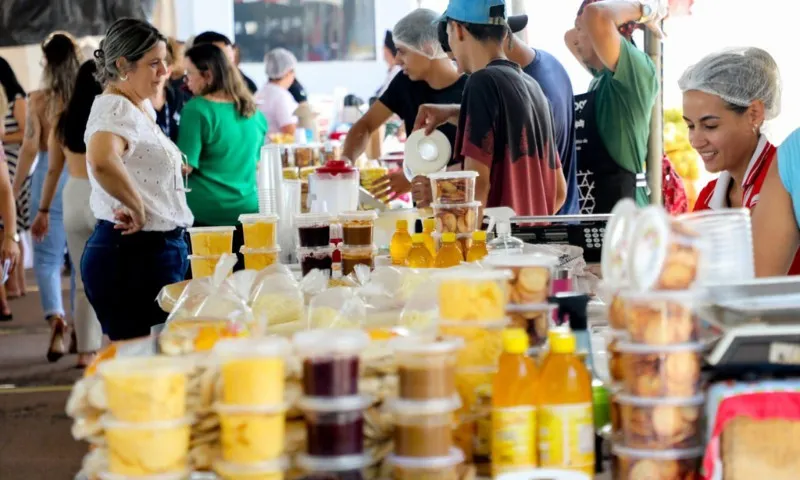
point(123, 78)
point(755, 130)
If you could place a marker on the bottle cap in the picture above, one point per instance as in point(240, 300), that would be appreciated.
point(449, 237)
point(402, 224)
point(565, 343)
point(515, 341)
point(479, 236)
point(429, 224)
point(417, 238)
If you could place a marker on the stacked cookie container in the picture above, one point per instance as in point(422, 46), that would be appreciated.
point(357, 246)
point(454, 206)
point(260, 249)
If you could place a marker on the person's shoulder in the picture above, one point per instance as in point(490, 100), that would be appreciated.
point(401, 80)
point(112, 105)
point(704, 197)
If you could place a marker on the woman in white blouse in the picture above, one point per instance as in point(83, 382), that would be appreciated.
point(138, 197)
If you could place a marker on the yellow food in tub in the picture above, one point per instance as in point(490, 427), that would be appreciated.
point(145, 389)
point(203, 266)
point(253, 370)
point(253, 436)
point(211, 241)
point(141, 449)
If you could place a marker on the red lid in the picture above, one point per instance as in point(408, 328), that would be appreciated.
point(335, 167)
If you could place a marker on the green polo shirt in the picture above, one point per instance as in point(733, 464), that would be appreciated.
point(624, 102)
point(223, 148)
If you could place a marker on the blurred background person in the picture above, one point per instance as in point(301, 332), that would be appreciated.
point(170, 99)
point(225, 44)
point(10, 250)
point(390, 58)
point(274, 99)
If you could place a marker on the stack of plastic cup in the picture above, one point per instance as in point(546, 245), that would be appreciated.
point(454, 206)
point(315, 251)
point(208, 245)
point(252, 408)
point(269, 179)
point(331, 404)
point(260, 248)
point(728, 234)
point(357, 246)
point(286, 232)
point(424, 410)
point(147, 428)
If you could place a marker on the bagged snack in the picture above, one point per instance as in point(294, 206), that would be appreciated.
point(337, 307)
point(277, 298)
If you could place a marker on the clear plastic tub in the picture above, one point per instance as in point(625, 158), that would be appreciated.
point(141, 449)
point(357, 227)
point(271, 470)
point(348, 467)
point(435, 468)
point(453, 187)
point(259, 258)
point(209, 241)
point(615, 367)
point(145, 389)
point(357, 255)
point(617, 242)
point(313, 229)
point(531, 275)
point(158, 476)
point(204, 266)
point(330, 361)
point(483, 342)
point(334, 426)
point(260, 230)
point(616, 312)
point(661, 423)
point(535, 319)
point(662, 318)
point(666, 371)
point(426, 369)
point(424, 429)
point(632, 464)
point(251, 434)
point(252, 370)
point(457, 218)
point(318, 258)
point(473, 295)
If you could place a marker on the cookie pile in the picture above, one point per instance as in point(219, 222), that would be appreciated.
point(454, 207)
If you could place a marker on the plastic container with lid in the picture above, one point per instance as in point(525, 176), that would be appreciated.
point(617, 243)
point(207, 241)
point(629, 463)
point(420, 434)
point(251, 434)
point(453, 187)
point(259, 258)
point(483, 342)
point(270, 470)
point(357, 255)
point(661, 423)
point(313, 229)
point(346, 467)
point(661, 371)
point(457, 218)
point(473, 294)
point(204, 265)
point(336, 184)
point(432, 468)
point(260, 230)
point(252, 370)
point(334, 426)
point(156, 476)
point(141, 449)
point(662, 318)
point(330, 361)
point(357, 227)
point(531, 275)
point(319, 258)
point(145, 389)
point(426, 369)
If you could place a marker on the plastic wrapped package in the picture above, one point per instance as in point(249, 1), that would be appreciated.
point(278, 298)
point(94, 463)
point(421, 311)
point(169, 295)
point(338, 307)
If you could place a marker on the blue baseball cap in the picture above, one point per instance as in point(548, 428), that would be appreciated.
point(479, 12)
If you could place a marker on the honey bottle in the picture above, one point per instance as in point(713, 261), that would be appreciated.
point(419, 256)
point(449, 254)
point(428, 226)
point(400, 244)
point(478, 249)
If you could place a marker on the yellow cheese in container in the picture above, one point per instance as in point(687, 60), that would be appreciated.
point(204, 265)
point(473, 295)
point(211, 240)
point(260, 231)
point(251, 434)
point(252, 371)
point(259, 258)
point(483, 343)
point(141, 449)
point(271, 470)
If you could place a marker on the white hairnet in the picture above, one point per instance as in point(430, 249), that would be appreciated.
point(279, 62)
point(739, 76)
point(418, 31)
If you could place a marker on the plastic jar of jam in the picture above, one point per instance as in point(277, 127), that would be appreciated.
point(334, 426)
point(313, 229)
point(426, 370)
point(330, 361)
point(319, 258)
point(352, 256)
point(357, 227)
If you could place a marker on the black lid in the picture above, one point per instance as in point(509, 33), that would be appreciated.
point(573, 307)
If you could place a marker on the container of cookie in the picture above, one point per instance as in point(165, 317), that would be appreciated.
point(662, 318)
point(664, 253)
point(615, 371)
point(616, 312)
point(661, 423)
point(453, 187)
point(633, 464)
point(457, 217)
point(617, 241)
point(531, 276)
point(661, 371)
point(536, 319)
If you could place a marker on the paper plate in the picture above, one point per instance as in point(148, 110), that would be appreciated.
point(426, 154)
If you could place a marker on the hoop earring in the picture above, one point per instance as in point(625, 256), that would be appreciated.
point(124, 78)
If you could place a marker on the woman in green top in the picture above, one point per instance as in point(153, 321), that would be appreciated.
point(221, 134)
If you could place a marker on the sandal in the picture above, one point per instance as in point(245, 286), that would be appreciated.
point(57, 349)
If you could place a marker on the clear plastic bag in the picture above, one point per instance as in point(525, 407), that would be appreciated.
point(277, 299)
point(420, 313)
point(339, 307)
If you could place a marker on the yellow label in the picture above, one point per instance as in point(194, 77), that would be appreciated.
point(513, 438)
point(566, 437)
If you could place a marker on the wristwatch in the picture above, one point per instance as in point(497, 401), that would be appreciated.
point(647, 12)
point(14, 237)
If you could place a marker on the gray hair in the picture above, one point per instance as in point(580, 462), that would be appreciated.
point(126, 38)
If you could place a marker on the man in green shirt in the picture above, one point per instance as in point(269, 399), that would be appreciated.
point(612, 120)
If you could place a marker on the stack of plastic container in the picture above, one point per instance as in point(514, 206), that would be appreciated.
point(208, 245)
point(424, 410)
point(331, 404)
point(260, 248)
point(454, 206)
point(315, 250)
point(252, 409)
point(357, 246)
point(147, 428)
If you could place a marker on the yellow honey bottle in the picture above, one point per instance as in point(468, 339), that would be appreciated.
point(565, 413)
point(478, 249)
point(419, 256)
point(514, 431)
point(400, 244)
point(449, 254)
point(428, 225)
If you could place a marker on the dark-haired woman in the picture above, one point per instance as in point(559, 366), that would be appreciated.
point(221, 134)
point(66, 145)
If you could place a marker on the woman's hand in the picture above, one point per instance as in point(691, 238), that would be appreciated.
point(391, 186)
point(430, 116)
point(129, 221)
point(10, 251)
point(421, 191)
point(40, 226)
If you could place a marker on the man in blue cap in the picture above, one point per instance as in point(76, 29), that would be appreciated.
point(505, 126)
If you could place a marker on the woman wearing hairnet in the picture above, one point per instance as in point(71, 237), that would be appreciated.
point(727, 97)
point(274, 99)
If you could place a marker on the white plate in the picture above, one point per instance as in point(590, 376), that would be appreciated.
point(426, 154)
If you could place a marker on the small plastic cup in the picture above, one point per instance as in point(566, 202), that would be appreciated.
point(453, 187)
point(473, 295)
point(645, 464)
point(209, 241)
point(260, 230)
point(330, 361)
point(531, 276)
point(661, 423)
point(252, 370)
point(347, 467)
point(313, 229)
point(661, 371)
point(141, 449)
point(483, 342)
point(317, 258)
point(145, 389)
point(259, 258)
point(662, 318)
point(203, 266)
point(457, 218)
point(357, 255)
point(357, 227)
point(426, 369)
point(251, 434)
point(424, 429)
point(432, 468)
point(334, 426)
point(270, 470)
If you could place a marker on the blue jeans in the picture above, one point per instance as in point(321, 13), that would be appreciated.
point(48, 255)
point(122, 275)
